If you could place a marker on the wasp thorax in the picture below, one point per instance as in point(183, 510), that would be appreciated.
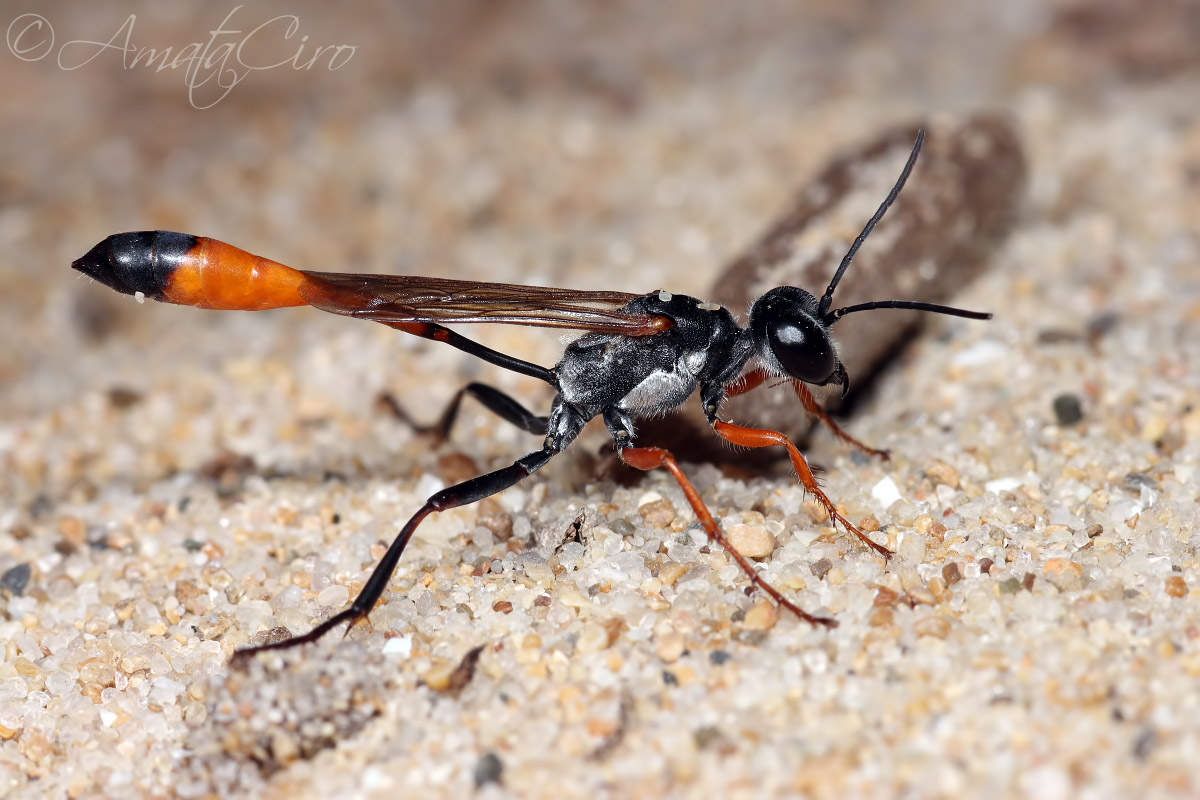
point(790, 337)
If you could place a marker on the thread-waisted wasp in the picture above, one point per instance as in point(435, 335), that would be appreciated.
point(641, 355)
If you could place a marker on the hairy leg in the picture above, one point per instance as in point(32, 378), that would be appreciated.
point(648, 458)
point(759, 437)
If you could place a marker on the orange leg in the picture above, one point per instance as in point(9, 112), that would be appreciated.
point(750, 380)
point(757, 377)
point(648, 458)
point(758, 437)
point(814, 408)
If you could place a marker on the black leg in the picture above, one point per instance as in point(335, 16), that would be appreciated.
point(440, 333)
point(494, 400)
point(461, 494)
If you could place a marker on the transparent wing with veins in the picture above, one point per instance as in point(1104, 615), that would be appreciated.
point(406, 299)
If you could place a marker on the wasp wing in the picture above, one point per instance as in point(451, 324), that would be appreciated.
point(400, 299)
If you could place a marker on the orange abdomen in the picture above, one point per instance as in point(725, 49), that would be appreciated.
point(192, 271)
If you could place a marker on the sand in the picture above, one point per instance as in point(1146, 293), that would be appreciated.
point(176, 484)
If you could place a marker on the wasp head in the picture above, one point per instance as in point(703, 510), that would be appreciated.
point(792, 338)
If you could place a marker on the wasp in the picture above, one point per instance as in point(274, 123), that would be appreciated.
point(639, 355)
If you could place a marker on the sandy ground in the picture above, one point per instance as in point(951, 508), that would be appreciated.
point(176, 484)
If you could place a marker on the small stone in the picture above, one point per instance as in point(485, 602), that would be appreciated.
point(496, 519)
point(937, 627)
point(604, 727)
point(658, 514)
point(592, 639)
point(1000, 486)
point(335, 595)
point(750, 638)
point(502, 606)
point(752, 541)
point(1058, 567)
point(921, 596)
point(1176, 586)
point(1144, 743)
point(613, 628)
point(73, 531)
point(912, 549)
point(135, 663)
point(488, 769)
point(96, 672)
point(942, 473)
point(1068, 410)
point(719, 657)
point(707, 736)
point(213, 628)
point(669, 646)
point(880, 618)
point(952, 573)
point(885, 597)
point(398, 646)
point(985, 566)
point(1191, 424)
point(455, 468)
point(815, 510)
point(903, 513)
point(437, 677)
point(1154, 428)
point(622, 527)
point(284, 747)
point(15, 579)
point(762, 616)
point(820, 567)
point(1136, 481)
point(59, 683)
point(671, 573)
point(124, 609)
point(885, 492)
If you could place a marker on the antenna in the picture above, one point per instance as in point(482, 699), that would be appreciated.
point(827, 299)
point(833, 316)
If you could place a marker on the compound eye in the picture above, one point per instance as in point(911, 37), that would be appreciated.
point(803, 349)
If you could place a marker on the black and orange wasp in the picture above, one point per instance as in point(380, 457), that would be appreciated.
point(641, 355)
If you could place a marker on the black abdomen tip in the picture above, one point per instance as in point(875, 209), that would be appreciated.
point(140, 261)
